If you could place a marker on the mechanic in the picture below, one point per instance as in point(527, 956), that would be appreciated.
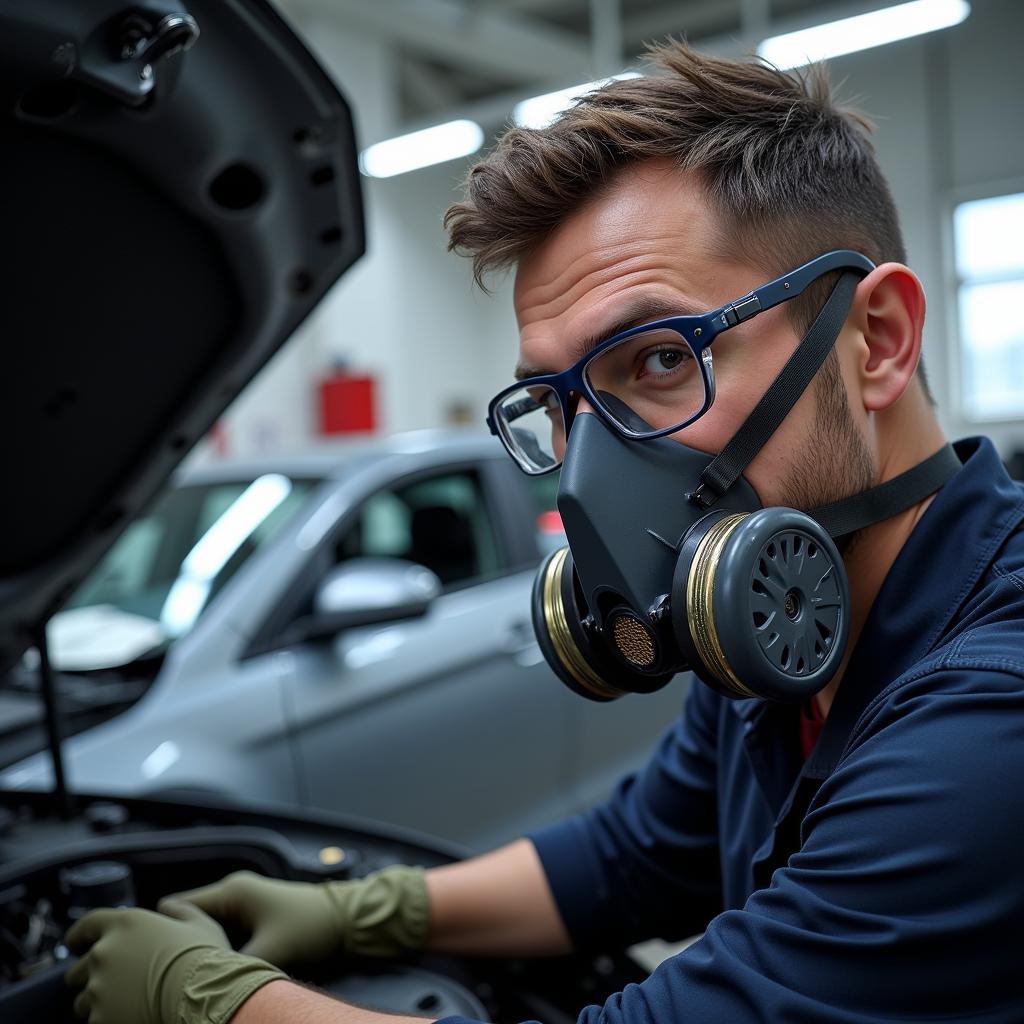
point(849, 855)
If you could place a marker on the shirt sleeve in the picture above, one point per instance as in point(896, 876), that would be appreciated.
point(905, 900)
point(645, 863)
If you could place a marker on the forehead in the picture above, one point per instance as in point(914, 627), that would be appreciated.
point(651, 234)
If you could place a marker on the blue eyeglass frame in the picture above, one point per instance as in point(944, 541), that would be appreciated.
point(697, 331)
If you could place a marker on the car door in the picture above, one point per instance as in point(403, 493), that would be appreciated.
point(448, 723)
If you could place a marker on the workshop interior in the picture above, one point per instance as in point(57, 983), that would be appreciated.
point(272, 596)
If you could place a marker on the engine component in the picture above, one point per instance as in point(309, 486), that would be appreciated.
point(105, 816)
point(409, 990)
point(98, 883)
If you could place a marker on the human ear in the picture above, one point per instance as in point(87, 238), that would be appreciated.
point(888, 310)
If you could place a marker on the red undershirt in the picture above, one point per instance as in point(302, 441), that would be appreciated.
point(811, 722)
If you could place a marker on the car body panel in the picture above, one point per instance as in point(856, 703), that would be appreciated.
point(451, 724)
point(446, 701)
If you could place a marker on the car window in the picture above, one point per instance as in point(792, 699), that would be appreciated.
point(544, 492)
point(441, 522)
point(127, 566)
point(155, 582)
point(384, 525)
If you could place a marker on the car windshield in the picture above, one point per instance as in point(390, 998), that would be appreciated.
point(160, 575)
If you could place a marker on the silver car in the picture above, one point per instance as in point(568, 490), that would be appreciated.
point(348, 630)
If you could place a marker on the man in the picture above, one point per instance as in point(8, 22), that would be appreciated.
point(849, 857)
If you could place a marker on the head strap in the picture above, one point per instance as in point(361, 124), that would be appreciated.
point(726, 468)
point(889, 499)
point(848, 514)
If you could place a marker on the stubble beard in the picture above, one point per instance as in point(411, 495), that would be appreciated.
point(836, 461)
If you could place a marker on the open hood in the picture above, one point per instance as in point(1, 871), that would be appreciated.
point(180, 189)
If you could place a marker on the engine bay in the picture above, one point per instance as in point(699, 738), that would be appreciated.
point(55, 867)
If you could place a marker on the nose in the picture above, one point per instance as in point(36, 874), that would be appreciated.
point(575, 405)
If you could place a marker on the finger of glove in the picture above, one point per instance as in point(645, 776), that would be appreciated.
point(220, 900)
point(266, 945)
point(189, 913)
point(181, 910)
point(83, 1005)
point(78, 973)
point(82, 934)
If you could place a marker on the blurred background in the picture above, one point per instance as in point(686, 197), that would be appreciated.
point(405, 341)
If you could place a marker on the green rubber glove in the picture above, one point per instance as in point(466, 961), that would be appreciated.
point(138, 967)
point(385, 914)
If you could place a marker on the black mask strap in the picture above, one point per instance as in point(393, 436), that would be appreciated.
point(889, 499)
point(727, 467)
point(848, 514)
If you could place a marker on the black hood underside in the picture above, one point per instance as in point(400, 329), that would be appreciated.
point(180, 189)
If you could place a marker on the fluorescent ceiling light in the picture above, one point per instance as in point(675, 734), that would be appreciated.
point(189, 592)
point(421, 149)
point(862, 32)
point(540, 111)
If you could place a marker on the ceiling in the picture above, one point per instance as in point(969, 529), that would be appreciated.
point(473, 57)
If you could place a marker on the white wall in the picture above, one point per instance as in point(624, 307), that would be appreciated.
point(406, 312)
point(948, 113)
point(949, 120)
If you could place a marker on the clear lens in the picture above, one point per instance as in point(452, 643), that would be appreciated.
point(649, 382)
point(530, 421)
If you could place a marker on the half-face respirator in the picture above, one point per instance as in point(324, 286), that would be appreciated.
point(754, 600)
point(673, 563)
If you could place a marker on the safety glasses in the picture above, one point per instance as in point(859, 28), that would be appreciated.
point(645, 382)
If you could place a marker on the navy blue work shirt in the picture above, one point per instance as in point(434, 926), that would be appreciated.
point(883, 879)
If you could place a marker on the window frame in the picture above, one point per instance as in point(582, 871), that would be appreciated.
point(471, 470)
point(272, 633)
point(193, 534)
point(957, 351)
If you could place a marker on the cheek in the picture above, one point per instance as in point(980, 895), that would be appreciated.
point(711, 432)
point(745, 365)
point(784, 455)
point(803, 444)
point(744, 370)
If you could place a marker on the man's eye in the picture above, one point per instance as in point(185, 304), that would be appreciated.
point(665, 360)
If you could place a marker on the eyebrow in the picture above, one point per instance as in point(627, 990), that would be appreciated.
point(637, 313)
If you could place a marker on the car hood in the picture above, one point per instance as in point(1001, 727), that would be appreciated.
point(185, 191)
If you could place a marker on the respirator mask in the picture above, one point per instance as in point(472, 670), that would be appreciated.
point(673, 563)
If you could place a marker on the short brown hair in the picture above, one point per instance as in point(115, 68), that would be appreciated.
point(790, 173)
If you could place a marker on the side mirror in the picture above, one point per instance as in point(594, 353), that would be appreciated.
point(367, 591)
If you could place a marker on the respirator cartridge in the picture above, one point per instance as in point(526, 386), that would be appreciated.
point(759, 606)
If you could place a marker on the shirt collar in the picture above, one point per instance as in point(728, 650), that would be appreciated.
point(951, 546)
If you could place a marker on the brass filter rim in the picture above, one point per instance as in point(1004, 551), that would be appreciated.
point(561, 638)
point(700, 592)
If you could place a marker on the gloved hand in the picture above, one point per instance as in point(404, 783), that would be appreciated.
point(138, 967)
point(384, 914)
